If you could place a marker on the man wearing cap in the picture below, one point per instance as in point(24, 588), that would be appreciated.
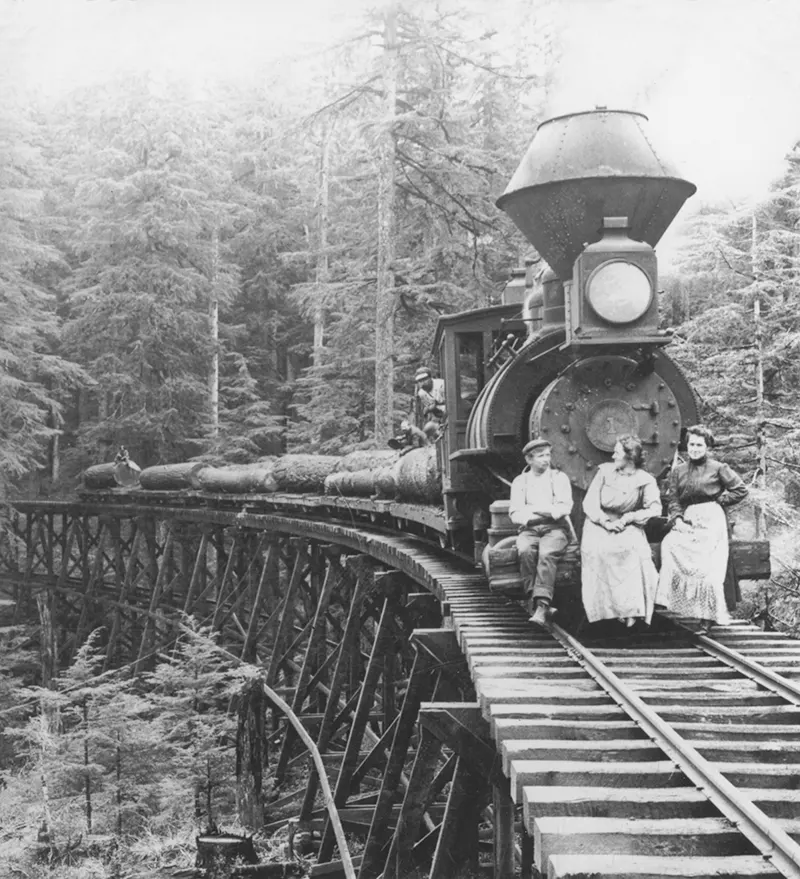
point(430, 397)
point(541, 499)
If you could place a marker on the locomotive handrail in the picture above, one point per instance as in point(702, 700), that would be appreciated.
point(771, 841)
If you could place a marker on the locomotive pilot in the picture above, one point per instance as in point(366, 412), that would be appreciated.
point(541, 500)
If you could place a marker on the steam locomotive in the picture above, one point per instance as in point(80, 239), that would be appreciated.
point(582, 359)
point(574, 353)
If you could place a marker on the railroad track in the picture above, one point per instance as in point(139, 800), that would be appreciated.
point(653, 755)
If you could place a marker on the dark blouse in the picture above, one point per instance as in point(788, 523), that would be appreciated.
point(697, 482)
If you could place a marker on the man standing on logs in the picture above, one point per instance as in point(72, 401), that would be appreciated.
point(430, 402)
point(541, 500)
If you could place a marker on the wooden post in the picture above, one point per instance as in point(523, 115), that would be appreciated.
point(287, 616)
point(91, 587)
point(359, 722)
point(421, 686)
point(458, 838)
point(198, 573)
point(233, 555)
point(399, 861)
point(155, 596)
point(364, 585)
point(48, 641)
point(317, 634)
point(503, 832)
point(127, 583)
point(526, 861)
point(261, 597)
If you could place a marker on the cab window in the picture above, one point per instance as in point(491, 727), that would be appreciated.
point(469, 370)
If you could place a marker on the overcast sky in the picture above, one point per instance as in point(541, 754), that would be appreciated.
point(719, 79)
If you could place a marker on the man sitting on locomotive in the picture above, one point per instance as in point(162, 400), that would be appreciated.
point(430, 401)
point(541, 499)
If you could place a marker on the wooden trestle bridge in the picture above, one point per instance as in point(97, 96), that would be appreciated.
point(458, 739)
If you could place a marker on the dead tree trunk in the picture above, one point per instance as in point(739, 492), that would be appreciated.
point(213, 321)
point(384, 309)
point(323, 266)
point(761, 449)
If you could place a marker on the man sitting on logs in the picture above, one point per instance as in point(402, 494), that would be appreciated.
point(409, 437)
point(541, 501)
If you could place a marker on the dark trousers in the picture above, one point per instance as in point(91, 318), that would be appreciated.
point(540, 547)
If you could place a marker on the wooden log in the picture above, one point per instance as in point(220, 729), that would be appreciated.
point(239, 478)
point(304, 472)
point(359, 482)
point(171, 477)
point(385, 483)
point(99, 476)
point(277, 870)
point(417, 476)
point(218, 853)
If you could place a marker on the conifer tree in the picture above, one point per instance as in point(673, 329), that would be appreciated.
point(33, 379)
point(190, 694)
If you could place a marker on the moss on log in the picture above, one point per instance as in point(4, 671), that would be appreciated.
point(368, 459)
point(358, 482)
point(172, 477)
point(100, 476)
point(417, 476)
point(239, 478)
point(304, 472)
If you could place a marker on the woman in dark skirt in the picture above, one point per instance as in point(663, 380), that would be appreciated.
point(694, 555)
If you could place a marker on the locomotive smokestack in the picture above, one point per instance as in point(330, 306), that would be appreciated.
point(583, 167)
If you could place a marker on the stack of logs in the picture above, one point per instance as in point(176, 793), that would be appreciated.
point(380, 473)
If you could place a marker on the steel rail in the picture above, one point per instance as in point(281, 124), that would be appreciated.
point(774, 844)
point(762, 676)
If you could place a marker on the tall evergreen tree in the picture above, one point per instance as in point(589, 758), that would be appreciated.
point(33, 380)
point(150, 200)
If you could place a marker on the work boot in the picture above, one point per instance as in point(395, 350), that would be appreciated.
point(540, 615)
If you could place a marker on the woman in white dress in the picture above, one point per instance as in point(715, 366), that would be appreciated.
point(694, 555)
point(618, 576)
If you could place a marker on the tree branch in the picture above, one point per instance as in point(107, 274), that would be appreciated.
point(444, 189)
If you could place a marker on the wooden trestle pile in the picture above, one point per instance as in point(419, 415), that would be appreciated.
point(458, 738)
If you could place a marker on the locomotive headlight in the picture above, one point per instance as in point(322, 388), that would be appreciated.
point(619, 291)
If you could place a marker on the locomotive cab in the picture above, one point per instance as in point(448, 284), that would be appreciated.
point(465, 344)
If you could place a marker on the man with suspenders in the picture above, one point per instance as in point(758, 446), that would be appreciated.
point(541, 500)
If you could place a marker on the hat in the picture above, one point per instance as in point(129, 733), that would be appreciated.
point(534, 445)
point(422, 374)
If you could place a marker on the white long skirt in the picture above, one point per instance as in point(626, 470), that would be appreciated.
point(693, 564)
point(618, 576)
